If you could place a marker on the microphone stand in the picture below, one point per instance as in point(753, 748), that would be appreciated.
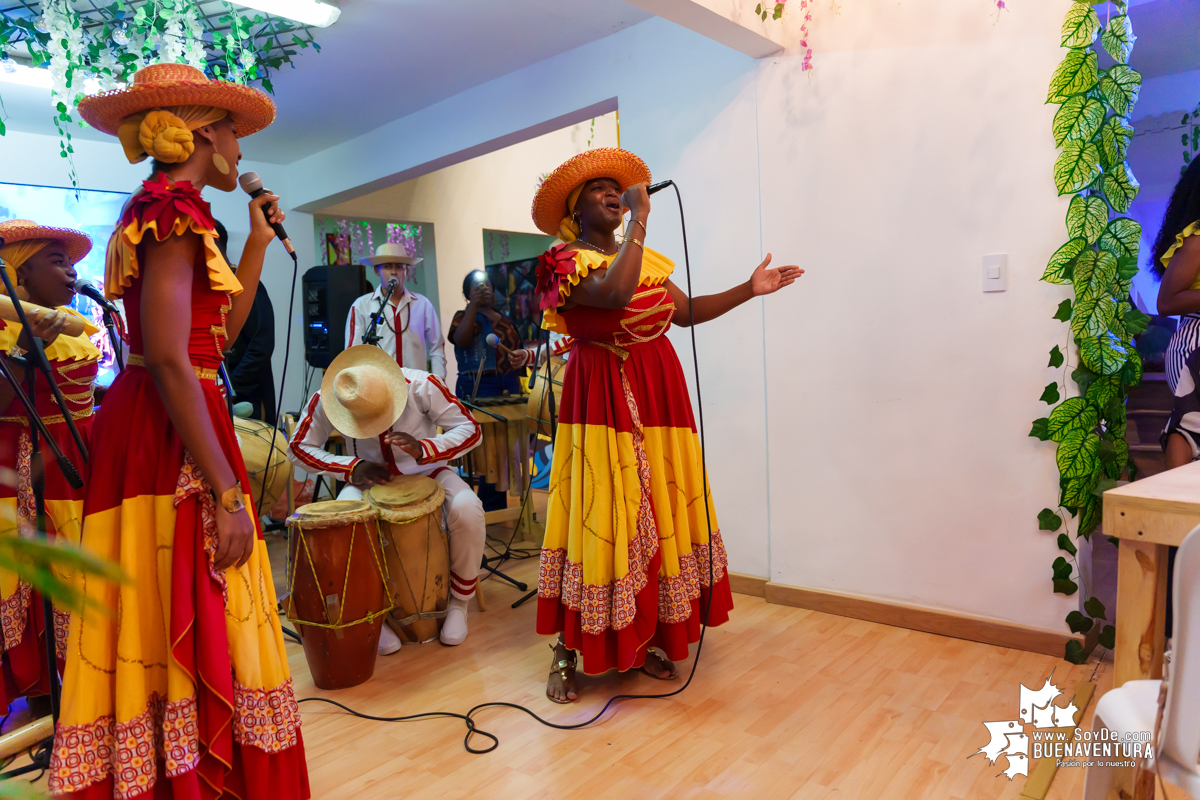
point(35, 360)
point(369, 335)
point(113, 338)
point(553, 425)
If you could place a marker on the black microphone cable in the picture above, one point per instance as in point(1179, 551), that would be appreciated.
point(287, 354)
point(469, 718)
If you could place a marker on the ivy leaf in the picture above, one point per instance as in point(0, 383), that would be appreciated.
point(1086, 218)
point(1074, 652)
point(1120, 87)
point(1094, 607)
point(1048, 520)
point(1040, 429)
point(1121, 238)
point(1079, 119)
point(1064, 311)
point(1093, 315)
point(1062, 568)
point(1102, 391)
point(1050, 394)
point(1064, 542)
point(1077, 73)
point(1107, 637)
point(1065, 586)
point(1080, 27)
point(1089, 518)
point(1059, 269)
point(1056, 357)
point(1131, 373)
point(1076, 456)
point(1135, 321)
point(1104, 354)
point(1115, 136)
point(1120, 187)
point(1077, 167)
point(1118, 38)
point(1078, 623)
point(1074, 414)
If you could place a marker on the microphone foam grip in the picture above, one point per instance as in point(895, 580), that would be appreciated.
point(250, 182)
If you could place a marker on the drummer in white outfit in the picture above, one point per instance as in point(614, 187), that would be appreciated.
point(389, 417)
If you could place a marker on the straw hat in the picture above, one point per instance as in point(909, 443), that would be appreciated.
point(363, 392)
point(18, 230)
point(165, 85)
point(550, 202)
point(390, 253)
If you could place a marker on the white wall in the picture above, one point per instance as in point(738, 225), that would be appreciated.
point(34, 159)
point(489, 192)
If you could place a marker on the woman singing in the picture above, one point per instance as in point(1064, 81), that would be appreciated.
point(41, 260)
point(184, 690)
point(625, 569)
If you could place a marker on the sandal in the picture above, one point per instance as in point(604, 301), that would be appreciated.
point(565, 667)
point(662, 659)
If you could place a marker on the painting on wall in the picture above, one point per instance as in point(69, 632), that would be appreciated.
point(337, 249)
point(515, 283)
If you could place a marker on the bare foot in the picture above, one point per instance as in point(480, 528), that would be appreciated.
point(659, 666)
point(561, 686)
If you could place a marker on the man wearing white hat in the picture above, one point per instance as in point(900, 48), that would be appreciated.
point(409, 317)
point(390, 418)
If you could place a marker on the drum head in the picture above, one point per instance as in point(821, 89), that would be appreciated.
point(406, 497)
point(332, 513)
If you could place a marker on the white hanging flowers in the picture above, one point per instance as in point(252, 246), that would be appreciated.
point(193, 40)
point(66, 49)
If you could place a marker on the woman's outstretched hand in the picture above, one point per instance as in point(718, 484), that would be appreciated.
point(769, 281)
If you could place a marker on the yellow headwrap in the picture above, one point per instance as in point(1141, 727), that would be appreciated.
point(18, 253)
point(165, 134)
point(568, 231)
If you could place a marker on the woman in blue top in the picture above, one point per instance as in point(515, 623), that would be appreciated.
point(469, 331)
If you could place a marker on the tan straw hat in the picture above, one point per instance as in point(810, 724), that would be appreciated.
point(19, 230)
point(167, 85)
point(390, 253)
point(363, 392)
point(550, 201)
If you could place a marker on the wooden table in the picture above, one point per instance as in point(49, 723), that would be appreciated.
point(1147, 516)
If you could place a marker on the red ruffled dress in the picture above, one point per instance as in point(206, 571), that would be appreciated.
point(627, 562)
point(183, 690)
point(75, 362)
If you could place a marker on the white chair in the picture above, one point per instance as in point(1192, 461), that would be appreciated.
point(1133, 707)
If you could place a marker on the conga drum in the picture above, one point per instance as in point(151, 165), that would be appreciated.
point(263, 463)
point(416, 552)
point(538, 409)
point(337, 589)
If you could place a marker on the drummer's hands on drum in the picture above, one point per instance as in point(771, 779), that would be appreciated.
point(368, 473)
point(235, 538)
point(405, 442)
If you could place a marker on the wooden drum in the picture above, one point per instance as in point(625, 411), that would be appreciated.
point(538, 409)
point(262, 462)
point(337, 585)
point(416, 552)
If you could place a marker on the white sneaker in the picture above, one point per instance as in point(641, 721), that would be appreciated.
point(454, 631)
point(389, 642)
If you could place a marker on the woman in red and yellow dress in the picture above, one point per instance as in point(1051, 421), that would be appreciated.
point(627, 558)
point(42, 261)
point(183, 689)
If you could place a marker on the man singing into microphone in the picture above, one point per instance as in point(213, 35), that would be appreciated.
point(408, 329)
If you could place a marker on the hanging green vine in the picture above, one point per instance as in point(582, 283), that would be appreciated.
point(1099, 260)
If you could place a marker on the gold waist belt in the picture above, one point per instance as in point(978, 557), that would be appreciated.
point(51, 420)
point(136, 360)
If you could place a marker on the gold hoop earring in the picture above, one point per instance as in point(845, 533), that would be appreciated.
point(220, 163)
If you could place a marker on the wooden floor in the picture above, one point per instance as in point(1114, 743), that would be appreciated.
point(786, 703)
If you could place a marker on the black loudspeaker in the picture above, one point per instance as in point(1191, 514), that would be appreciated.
point(328, 294)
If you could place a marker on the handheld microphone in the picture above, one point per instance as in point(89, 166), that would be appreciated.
point(95, 295)
point(252, 185)
point(651, 189)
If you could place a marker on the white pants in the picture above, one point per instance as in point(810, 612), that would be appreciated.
point(464, 521)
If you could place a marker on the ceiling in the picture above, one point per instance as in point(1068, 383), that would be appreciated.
point(385, 59)
point(1168, 34)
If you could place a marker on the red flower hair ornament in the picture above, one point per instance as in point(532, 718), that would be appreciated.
point(554, 267)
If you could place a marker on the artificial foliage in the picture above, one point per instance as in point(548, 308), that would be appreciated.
point(90, 46)
point(1190, 137)
point(1098, 260)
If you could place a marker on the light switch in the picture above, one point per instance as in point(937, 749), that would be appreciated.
point(995, 273)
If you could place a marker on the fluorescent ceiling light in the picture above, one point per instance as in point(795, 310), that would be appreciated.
point(306, 12)
point(15, 72)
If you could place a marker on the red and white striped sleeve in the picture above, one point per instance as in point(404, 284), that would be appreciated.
point(460, 432)
point(307, 447)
